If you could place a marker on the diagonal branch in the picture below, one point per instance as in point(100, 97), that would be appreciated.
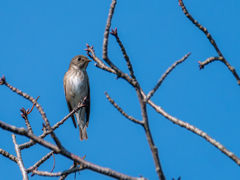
point(41, 161)
point(114, 70)
point(105, 57)
point(194, 130)
point(151, 93)
point(99, 62)
point(65, 175)
point(19, 159)
point(40, 109)
point(212, 41)
point(129, 65)
point(9, 156)
point(64, 152)
point(203, 29)
point(121, 111)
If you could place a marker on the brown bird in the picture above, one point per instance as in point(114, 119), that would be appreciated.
point(76, 88)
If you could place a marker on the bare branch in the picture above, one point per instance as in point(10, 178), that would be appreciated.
point(212, 41)
point(19, 159)
point(40, 109)
point(208, 60)
point(9, 156)
point(31, 143)
point(114, 70)
point(121, 111)
point(64, 173)
point(24, 115)
point(152, 146)
point(129, 65)
point(151, 93)
point(194, 130)
point(106, 35)
point(64, 152)
point(203, 29)
point(99, 62)
point(41, 161)
point(105, 57)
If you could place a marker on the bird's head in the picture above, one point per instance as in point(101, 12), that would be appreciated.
point(79, 62)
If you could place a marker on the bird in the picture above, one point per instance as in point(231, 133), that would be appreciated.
point(76, 88)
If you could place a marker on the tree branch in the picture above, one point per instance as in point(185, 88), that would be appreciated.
point(31, 143)
point(121, 111)
point(41, 161)
point(194, 130)
point(19, 158)
point(40, 109)
point(9, 156)
point(64, 173)
point(67, 154)
point(212, 41)
point(151, 93)
point(129, 65)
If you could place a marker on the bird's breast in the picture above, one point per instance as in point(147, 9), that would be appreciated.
point(77, 85)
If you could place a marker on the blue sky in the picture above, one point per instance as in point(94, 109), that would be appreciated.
point(37, 41)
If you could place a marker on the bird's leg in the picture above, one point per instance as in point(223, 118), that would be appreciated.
point(85, 101)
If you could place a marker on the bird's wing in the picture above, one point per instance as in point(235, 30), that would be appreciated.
point(88, 107)
point(67, 99)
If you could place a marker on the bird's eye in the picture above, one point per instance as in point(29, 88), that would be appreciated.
point(79, 59)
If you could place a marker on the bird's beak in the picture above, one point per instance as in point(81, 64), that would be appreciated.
point(88, 60)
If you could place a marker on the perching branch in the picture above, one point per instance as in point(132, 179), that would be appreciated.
point(31, 143)
point(64, 152)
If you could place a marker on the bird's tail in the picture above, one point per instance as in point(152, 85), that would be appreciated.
point(83, 132)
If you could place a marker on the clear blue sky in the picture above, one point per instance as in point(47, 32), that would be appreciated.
point(37, 41)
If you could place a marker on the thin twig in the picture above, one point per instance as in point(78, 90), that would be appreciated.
point(19, 159)
point(64, 173)
point(209, 60)
point(129, 65)
point(40, 162)
point(24, 115)
point(151, 93)
point(64, 152)
point(53, 162)
point(9, 156)
point(121, 111)
point(32, 106)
